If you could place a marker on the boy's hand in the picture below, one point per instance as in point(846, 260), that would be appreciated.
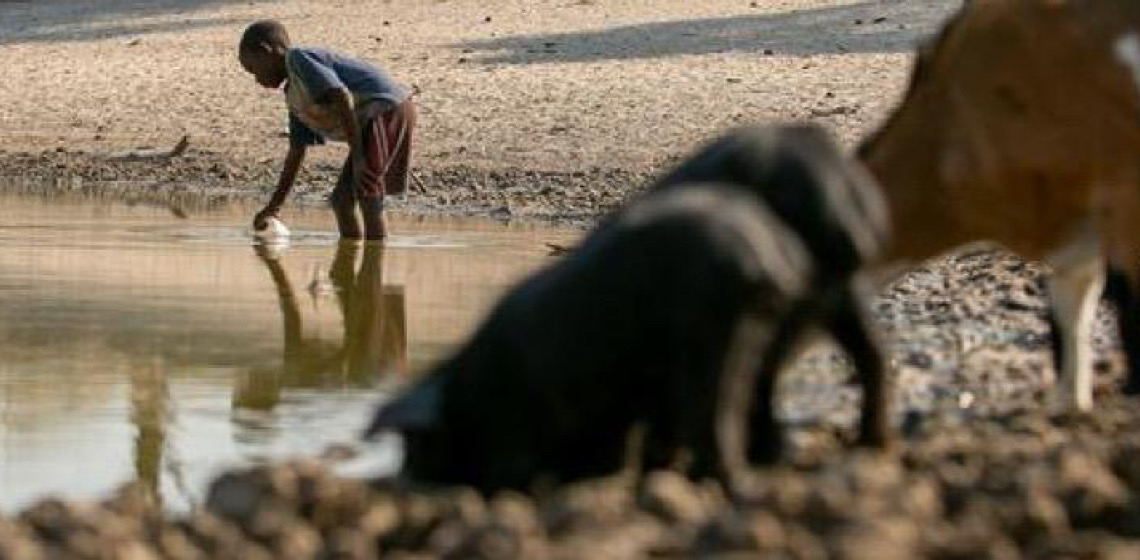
point(285, 184)
point(261, 219)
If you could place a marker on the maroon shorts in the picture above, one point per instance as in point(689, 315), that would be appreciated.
point(387, 155)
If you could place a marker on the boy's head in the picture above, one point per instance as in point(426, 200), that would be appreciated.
point(262, 52)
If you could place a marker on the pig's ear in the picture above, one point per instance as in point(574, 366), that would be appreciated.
point(417, 409)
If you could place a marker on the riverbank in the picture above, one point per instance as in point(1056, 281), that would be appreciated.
point(551, 110)
point(200, 179)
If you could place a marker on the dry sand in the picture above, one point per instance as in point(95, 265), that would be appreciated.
point(525, 104)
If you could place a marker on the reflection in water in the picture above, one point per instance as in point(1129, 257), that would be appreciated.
point(375, 333)
point(150, 399)
point(151, 415)
point(134, 347)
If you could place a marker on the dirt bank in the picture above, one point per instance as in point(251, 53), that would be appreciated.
point(1019, 485)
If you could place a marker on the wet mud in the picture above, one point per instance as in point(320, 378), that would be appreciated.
point(198, 179)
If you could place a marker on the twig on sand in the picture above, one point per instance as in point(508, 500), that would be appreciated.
point(418, 182)
point(180, 147)
point(144, 154)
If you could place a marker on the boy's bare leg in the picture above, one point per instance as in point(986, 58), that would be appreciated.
point(347, 222)
point(343, 202)
point(375, 226)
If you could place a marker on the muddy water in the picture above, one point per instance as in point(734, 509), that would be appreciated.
point(139, 345)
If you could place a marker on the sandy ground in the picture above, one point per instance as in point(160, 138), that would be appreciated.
point(536, 108)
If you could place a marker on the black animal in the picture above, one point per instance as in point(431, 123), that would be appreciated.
point(837, 211)
point(649, 321)
point(667, 315)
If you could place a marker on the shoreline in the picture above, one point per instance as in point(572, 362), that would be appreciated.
point(201, 179)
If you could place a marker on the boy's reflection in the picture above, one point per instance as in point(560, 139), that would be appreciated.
point(375, 336)
point(150, 401)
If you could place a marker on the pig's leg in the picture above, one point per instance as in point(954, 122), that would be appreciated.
point(849, 327)
point(765, 440)
point(687, 411)
point(658, 445)
point(721, 447)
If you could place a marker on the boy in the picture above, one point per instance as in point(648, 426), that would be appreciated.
point(334, 97)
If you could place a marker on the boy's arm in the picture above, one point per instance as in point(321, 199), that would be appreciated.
point(289, 171)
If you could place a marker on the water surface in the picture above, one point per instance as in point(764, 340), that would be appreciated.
point(138, 345)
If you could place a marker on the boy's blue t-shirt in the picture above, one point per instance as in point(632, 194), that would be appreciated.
point(312, 73)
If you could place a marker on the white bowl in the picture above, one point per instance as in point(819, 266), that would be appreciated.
point(274, 229)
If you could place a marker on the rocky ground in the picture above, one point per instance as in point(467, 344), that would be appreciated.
point(1004, 487)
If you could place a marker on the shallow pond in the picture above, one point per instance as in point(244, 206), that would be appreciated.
point(136, 344)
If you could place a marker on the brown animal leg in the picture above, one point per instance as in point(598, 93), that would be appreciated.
point(1074, 291)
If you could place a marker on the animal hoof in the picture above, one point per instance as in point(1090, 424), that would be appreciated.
point(874, 434)
point(1131, 388)
point(880, 442)
point(768, 454)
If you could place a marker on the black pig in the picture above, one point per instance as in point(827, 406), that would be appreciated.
point(675, 313)
point(837, 211)
point(649, 321)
